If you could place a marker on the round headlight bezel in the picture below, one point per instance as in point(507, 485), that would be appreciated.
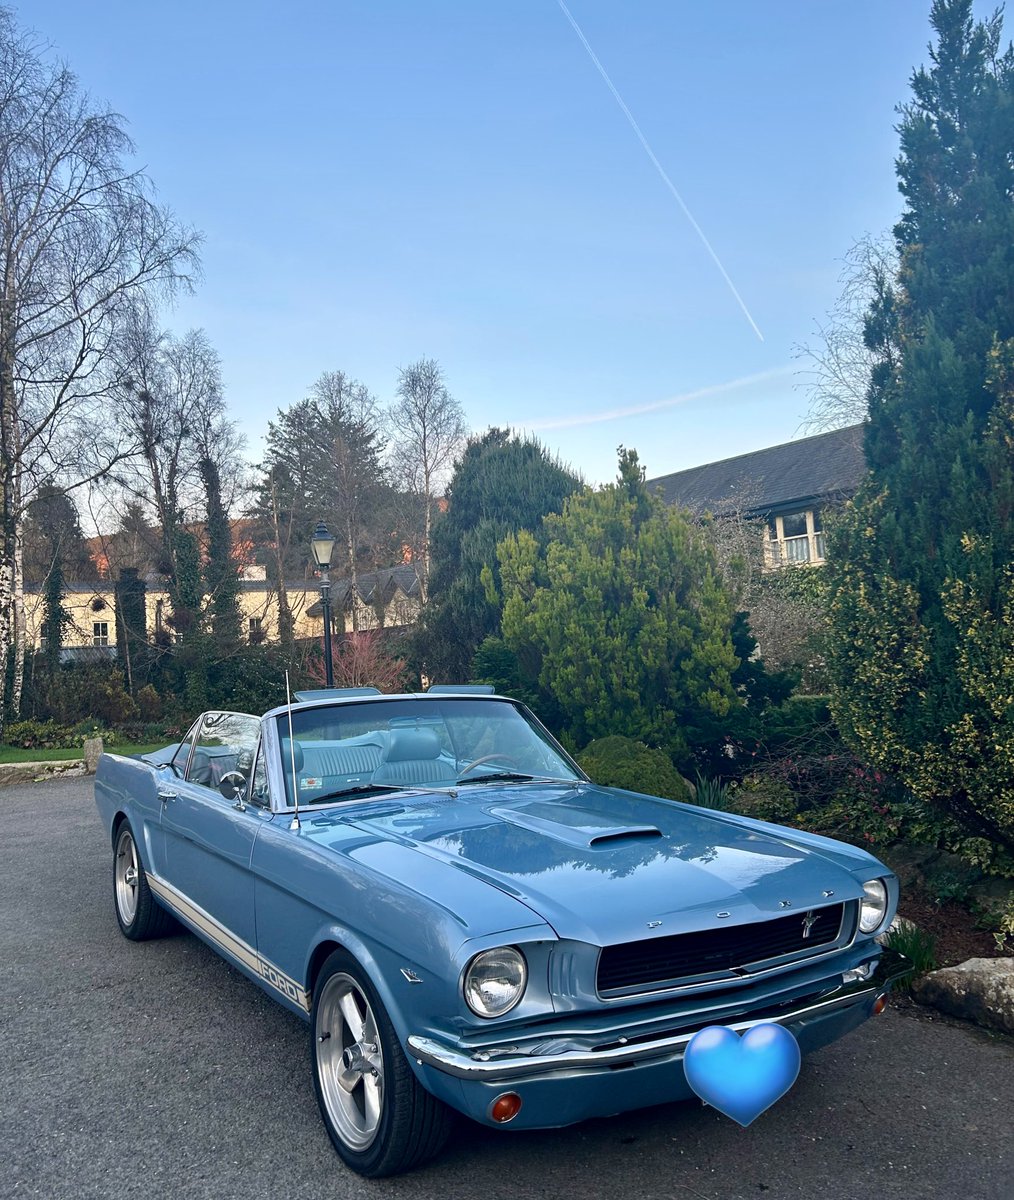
point(873, 907)
point(488, 959)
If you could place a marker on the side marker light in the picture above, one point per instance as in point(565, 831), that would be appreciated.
point(505, 1108)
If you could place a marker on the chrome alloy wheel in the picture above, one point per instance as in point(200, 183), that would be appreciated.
point(350, 1062)
point(126, 876)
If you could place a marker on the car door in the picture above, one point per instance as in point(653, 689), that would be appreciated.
point(209, 839)
point(167, 778)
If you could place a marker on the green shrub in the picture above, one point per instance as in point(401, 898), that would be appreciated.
point(857, 818)
point(252, 682)
point(764, 797)
point(625, 763)
point(495, 663)
point(112, 702)
point(149, 704)
point(801, 719)
point(998, 918)
point(37, 735)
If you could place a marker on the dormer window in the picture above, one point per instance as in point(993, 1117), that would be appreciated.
point(794, 538)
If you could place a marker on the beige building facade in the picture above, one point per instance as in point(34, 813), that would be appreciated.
point(380, 599)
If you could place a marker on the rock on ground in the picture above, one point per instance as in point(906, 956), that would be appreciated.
point(980, 990)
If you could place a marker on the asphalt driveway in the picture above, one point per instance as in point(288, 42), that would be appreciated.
point(158, 1070)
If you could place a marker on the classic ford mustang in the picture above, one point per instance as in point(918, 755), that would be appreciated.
point(468, 923)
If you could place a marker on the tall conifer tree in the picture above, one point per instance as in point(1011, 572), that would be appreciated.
point(221, 572)
point(501, 484)
point(922, 580)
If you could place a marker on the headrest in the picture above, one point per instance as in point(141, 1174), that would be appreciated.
point(408, 744)
point(297, 749)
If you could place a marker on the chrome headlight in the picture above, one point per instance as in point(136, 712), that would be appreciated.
point(874, 907)
point(495, 981)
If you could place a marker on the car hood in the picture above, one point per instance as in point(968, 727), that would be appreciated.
point(601, 865)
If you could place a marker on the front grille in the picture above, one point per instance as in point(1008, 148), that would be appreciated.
point(657, 961)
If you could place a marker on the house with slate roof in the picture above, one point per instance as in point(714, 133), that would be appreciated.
point(789, 487)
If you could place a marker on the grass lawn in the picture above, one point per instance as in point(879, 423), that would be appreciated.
point(14, 754)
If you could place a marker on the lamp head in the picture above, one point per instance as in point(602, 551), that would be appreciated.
point(322, 545)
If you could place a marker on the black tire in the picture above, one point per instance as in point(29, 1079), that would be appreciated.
point(381, 1120)
point(138, 914)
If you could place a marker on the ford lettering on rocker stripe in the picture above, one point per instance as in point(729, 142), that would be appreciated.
point(469, 925)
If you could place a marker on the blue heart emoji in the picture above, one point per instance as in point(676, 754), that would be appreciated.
point(742, 1076)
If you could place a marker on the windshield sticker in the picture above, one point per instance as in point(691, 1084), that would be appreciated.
point(310, 782)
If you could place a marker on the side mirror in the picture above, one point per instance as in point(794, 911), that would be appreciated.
point(231, 784)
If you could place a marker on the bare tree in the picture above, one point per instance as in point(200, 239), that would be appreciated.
point(172, 408)
point(349, 424)
point(281, 510)
point(322, 461)
point(842, 361)
point(80, 240)
point(430, 431)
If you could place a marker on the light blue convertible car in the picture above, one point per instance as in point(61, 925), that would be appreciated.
point(468, 923)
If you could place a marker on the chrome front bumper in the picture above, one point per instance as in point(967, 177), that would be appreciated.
point(510, 1063)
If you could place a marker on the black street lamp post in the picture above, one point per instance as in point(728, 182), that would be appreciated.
point(322, 544)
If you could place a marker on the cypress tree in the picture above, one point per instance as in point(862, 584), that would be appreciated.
point(131, 623)
point(220, 573)
point(55, 618)
point(922, 604)
point(501, 484)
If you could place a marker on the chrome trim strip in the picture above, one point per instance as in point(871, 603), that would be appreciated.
point(493, 1064)
point(228, 943)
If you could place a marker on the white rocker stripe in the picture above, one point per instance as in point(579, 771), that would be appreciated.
point(228, 942)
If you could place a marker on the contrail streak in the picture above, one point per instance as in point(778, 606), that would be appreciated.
point(660, 169)
point(616, 414)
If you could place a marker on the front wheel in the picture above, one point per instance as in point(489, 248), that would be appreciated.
point(379, 1117)
point(138, 913)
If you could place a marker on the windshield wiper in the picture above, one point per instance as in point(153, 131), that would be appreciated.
point(512, 776)
point(360, 789)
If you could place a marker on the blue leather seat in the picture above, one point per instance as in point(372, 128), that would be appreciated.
point(413, 756)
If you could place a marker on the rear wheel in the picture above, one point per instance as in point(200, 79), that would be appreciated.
point(379, 1117)
point(138, 913)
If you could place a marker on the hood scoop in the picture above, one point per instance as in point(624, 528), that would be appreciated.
point(574, 826)
point(623, 834)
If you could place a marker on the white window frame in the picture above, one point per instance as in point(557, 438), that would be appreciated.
point(802, 550)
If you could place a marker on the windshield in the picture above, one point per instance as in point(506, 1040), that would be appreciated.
point(387, 745)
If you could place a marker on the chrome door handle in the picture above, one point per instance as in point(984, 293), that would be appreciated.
point(165, 795)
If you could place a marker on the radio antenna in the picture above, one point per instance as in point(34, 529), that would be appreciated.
point(294, 823)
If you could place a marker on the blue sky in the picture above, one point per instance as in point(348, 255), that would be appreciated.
point(381, 180)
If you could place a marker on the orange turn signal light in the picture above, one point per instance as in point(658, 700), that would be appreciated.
point(879, 1005)
point(505, 1108)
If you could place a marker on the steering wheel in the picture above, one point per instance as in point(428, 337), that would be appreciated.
point(501, 758)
